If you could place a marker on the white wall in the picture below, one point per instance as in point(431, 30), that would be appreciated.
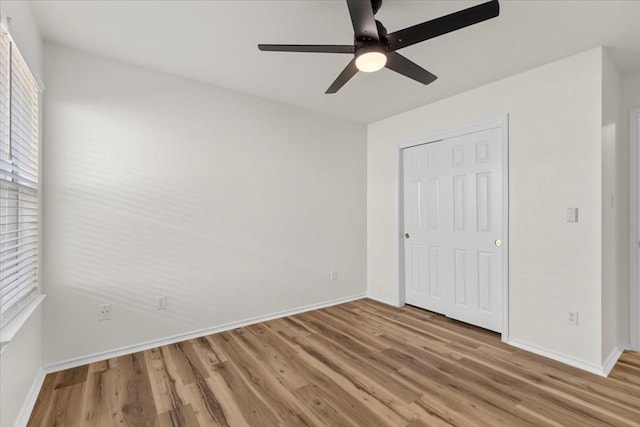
point(232, 206)
point(24, 31)
point(20, 365)
point(21, 360)
point(555, 116)
point(630, 100)
point(615, 190)
point(631, 91)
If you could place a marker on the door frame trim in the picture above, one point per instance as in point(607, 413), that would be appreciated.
point(501, 121)
point(634, 245)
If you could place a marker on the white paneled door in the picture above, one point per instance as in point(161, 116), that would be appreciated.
point(453, 204)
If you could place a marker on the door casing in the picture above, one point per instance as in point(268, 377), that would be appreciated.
point(634, 224)
point(501, 121)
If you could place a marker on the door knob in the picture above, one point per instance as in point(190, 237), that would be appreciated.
point(406, 235)
point(498, 243)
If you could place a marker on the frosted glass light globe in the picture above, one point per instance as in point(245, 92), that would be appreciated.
point(371, 61)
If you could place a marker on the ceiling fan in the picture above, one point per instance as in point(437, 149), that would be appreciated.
point(373, 48)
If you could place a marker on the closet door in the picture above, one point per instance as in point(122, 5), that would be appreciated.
point(452, 197)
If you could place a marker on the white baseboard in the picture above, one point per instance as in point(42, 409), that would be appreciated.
point(97, 357)
point(611, 361)
point(383, 300)
point(30, 400)
point(602, 370)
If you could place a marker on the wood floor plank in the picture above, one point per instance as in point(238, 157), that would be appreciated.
point(362, 363)
point(557, 381)
point(247, 403)
point(267, 383)
point(189, 367)
point(379, 384)
point(68, 408)
point(271, 351)
point(287, 329)
point(71, 377)
point(183, 416)
point(97, 402)
point(138, 406)
point(100, 366)
point(497, 387)
point(210, 355)
point(311, 398)
point(453, 391)
point(112, 393)
point(239, 404)
point(163, 385)
point(357, 395)
point(194, 391)
point(346, 333)
point(207, 400)
point(42, 414)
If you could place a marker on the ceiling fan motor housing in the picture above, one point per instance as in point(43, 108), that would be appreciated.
point(364, 45)
point(382, 37)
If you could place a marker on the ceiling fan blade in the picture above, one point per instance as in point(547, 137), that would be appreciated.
point(443, 25)
point(313, 48)
point(349, 71)
point(402, 65)
point(364, 23)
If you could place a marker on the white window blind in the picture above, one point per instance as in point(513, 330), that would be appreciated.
point(19, 94)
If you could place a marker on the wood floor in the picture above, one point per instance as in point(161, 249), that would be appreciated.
point(356, 364)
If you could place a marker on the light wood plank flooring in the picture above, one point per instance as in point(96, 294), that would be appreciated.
point(356, 364)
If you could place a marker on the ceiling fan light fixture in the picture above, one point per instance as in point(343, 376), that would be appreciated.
point(374, 48)
point(370, 61)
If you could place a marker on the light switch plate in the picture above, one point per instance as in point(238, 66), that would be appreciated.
point(572, 214)
point(161, 302)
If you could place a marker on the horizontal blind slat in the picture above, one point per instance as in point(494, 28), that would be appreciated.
point(14, 247)
point(5, 233)
point(28, 270)
point(7, 194)
point(23, 205)
point(22, 296)
point(10, 262)
point(26, 234)
point(19, 218)
point(18, 187)
point(25, 159)
point(8, 175)
point(18, 156)
point(22, 292)
point(13, 207)
point(18, 280)
point(9, 232)
point(14, 253)
point(10, 274)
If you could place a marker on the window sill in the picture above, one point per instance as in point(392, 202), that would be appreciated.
point(11, 329)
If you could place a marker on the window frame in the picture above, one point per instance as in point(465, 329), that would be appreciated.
point(17, 313)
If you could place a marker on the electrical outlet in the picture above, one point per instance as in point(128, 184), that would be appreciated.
point(334, 275)
point(161, 302)
point(573, 318)
point(104, 312)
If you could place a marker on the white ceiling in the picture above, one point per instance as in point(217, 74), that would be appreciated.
point(215, 42)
